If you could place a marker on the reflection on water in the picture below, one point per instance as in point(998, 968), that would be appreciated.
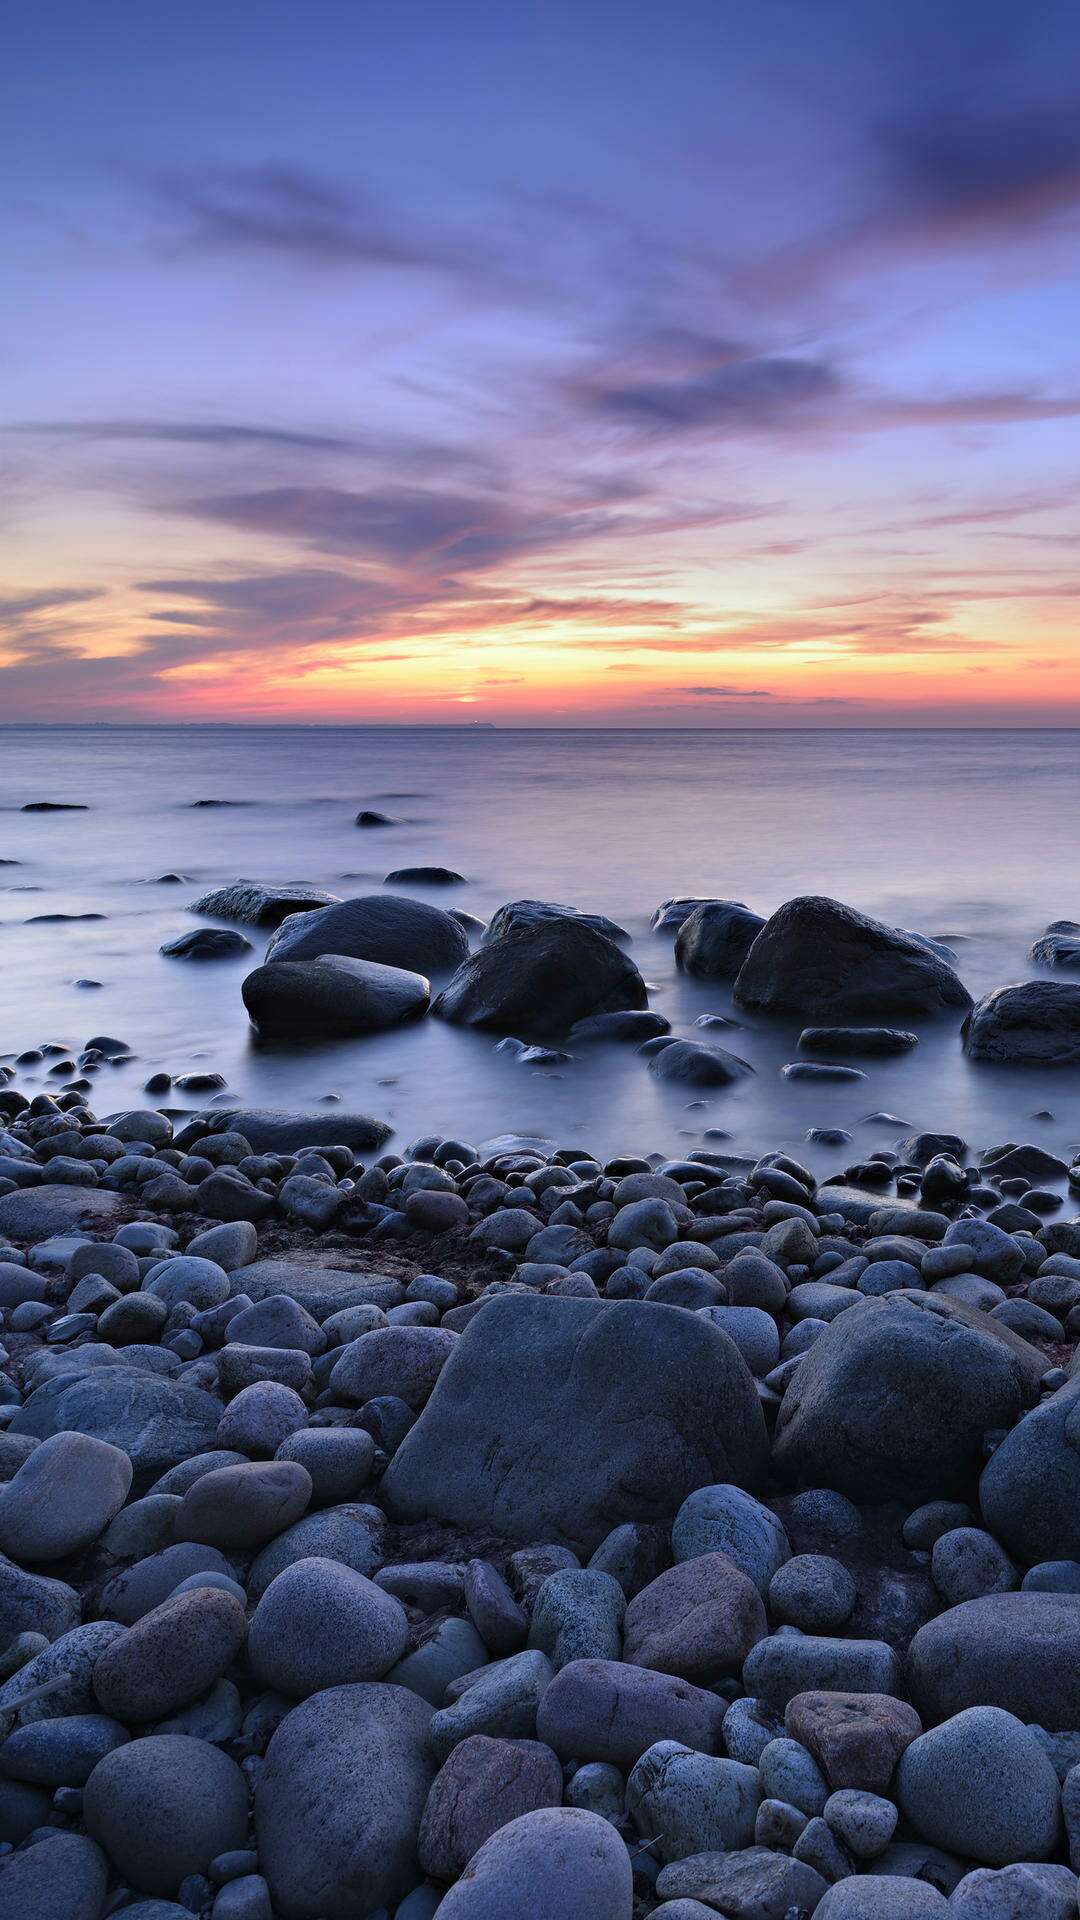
point(969, 835)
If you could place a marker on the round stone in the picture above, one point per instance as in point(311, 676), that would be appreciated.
point(163, 1807)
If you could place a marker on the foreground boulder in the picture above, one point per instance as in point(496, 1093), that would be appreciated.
point(258, 905)
point(332, 997)
point(163, 1807)
point(559, 1863)
point(558, 1419)
point(62, 1497)
point(1030, 1488)
point(540, 979)
point(1034, 1024)
point(36, 1213)
point(1020, 1651)
point(715, 938)
point(384, 927)
point(892, 1403)
point(818, 959)
point(339, 1801)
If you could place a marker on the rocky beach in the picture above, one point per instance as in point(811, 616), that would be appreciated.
point(497, 1527)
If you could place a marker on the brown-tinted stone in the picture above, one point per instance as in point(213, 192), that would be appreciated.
point(699, 1620)
point(483, 1784)
point(856, 1738)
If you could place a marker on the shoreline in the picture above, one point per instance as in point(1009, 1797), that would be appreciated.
point(530, 1448)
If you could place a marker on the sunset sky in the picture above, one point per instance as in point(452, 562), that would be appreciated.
point(620, 362)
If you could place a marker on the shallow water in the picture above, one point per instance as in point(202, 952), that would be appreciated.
point(968, 836)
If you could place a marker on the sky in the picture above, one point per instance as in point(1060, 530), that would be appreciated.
point(562, 362)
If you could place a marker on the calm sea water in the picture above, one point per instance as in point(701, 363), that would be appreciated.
point(970, 836)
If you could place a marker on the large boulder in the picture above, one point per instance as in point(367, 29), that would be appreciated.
point(154, 1420)
point(268, 1131)
point(557, 1419)
point(817, 959)
point(258, 905)
point(1030, 1488)
point(163, 1807)
point(1020, 1651)
point(384, 927)
point(893, 1402)
point(62, 1497)
point(1033, 1024)
point(37, 1213)
point(559, 1863)
point(339, 1800)
point(532, 913)
point(332, 997)
point(63, 1877)
point(540, 979)
point(715, 938)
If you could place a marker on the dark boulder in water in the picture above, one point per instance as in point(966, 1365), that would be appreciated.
point(531, 913)
point(424, 877)
point(332, 997)
point(259, 905)
point(686, 1063)
point(1059, 947)
point(207, 943)
point(715, 939)
point(629, 1028)
point(269, 1131)
point(869, 1042)
point(1033, 1024)
point(820, 958)
point(55, 806)
point(671, 914)
point(541, 979)
point(370, 817)
point(384, 927)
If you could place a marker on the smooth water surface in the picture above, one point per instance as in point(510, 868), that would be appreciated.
point(970, 836)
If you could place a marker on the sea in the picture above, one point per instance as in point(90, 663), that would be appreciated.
point(969, 836)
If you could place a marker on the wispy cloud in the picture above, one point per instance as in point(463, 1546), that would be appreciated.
point(278, 208)
point(213, 433)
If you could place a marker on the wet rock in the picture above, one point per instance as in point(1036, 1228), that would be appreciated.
point(259, 905)
point(819, 959)
point(382, 927)
point(333, 996)
point(1036, 1023)
point(539, 980)
point(715, 938)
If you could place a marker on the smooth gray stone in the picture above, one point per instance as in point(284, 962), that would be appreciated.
point(163, 1807)
point(981, 1785)
point(62, 1878)
point(893, 1401)
point(556, 1419)
point(321, 1625)
point(1019, 1651)
point(62, 1497)
point(154, 1420)
point(324, 1848)
point(554, 1864)
point(692, 1802)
